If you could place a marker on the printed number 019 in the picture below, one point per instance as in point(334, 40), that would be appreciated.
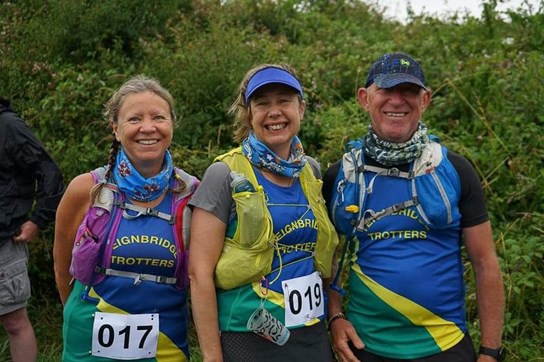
point(312, 295)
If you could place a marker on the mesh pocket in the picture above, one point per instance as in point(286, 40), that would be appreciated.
point(86, 249)
point(248, 255)
point(254, 222)
point(85, 256)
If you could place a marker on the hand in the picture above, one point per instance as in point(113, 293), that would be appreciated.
point(27, 233)
point(343, 332)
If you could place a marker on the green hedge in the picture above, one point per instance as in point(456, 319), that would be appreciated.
point(60, 60)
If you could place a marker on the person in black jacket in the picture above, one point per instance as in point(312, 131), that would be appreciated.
point(31, 187)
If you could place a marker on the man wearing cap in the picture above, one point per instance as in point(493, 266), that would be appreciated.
point(405, 205)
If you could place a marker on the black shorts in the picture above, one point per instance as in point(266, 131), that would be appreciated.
point(462, 352)
point(304, 344)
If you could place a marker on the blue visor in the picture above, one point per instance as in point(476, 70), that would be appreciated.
point(268, 76)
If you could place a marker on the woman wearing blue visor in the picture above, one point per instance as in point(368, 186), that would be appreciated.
point(261, 241)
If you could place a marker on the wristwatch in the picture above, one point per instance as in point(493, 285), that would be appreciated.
point(499, 353)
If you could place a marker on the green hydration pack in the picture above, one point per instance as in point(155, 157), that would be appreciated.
point(434, 186)
point(247, 255)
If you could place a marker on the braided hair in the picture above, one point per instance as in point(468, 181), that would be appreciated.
point(135, 85)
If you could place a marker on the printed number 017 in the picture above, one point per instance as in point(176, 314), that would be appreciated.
point(106, 330)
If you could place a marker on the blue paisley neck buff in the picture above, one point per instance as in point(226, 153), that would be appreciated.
point(264, 158)
point(134, 185)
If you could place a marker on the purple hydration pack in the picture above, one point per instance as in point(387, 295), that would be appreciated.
point(93, 245)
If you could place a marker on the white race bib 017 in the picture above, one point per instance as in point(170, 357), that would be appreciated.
point(124, 336)
point(304, 299)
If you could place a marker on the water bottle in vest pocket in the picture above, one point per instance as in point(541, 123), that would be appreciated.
point(250, 259)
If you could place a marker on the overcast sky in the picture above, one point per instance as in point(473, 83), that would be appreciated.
point(397, 8)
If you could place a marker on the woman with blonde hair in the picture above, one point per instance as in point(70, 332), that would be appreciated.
point(131, 303)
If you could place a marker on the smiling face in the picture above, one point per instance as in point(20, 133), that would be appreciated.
point(144, 127)
point(276, 113)
point(395, 112)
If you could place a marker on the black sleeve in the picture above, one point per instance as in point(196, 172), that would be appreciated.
point(36, 163)
point(328, 182)
point(472, 204)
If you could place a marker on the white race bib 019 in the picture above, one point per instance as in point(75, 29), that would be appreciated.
point(124, 336)
point(303, 299)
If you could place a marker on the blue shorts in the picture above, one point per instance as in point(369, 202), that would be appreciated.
point(14, 281)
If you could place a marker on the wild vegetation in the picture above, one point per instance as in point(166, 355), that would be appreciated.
point(60, 60)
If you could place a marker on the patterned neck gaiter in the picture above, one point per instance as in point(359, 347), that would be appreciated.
point(392, 154)
point(264, 158)
point(134, 185)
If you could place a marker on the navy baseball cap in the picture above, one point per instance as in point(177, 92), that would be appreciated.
point(271, 75)
point(395, 68)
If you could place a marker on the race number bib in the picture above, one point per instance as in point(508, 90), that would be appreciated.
point(125, 337)
point(303, 299)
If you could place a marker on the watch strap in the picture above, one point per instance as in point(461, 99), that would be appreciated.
point(497, 353)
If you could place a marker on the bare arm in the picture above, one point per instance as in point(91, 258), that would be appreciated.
point(70, 213)
point(489, 285)
point(207, 238)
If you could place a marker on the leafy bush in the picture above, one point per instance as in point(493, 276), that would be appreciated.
point(61, 60)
